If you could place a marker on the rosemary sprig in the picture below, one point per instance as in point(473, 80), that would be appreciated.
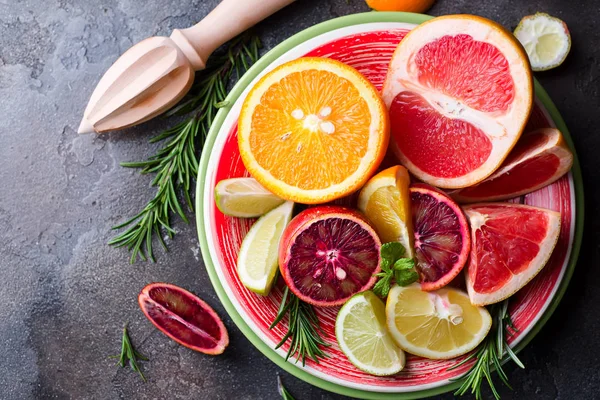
point(490, 354)
point(283, 392)
point(129, 355)
point(176, 163)
point(303, 329)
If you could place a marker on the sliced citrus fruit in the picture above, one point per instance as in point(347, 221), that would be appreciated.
point(539, 158)
point(244, 198)
point(442, 240)
point(313, 130)
point(416, 6)
point(385, 200)
point(329, 253)
point(511, 244)
point(546, 39)
point(361, 333)
point(184, 318)
point(257, 260)
point(459, 90)
point(439, 325)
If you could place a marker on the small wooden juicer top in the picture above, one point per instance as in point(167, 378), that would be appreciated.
point(153, 75)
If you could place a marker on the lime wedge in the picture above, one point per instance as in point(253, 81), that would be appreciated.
point(244, 198)
point(360, 329)
point(257, 262)
point(546, 40)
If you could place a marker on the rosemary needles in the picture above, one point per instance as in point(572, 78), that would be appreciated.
point(490, 353)
point(176, 163)
point(303, 329)
point(129, 355)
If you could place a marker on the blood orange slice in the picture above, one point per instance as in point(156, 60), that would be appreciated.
point(184, 318)
point(442, 240)
point(329, 253)
point(459, 90)
point(539, 158)
point(511, 243)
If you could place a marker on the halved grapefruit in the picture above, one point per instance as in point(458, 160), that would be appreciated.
point(539, 158)
point(459, 89)
point(511, 243)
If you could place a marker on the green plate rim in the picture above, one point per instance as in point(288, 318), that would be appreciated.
point(267, 59)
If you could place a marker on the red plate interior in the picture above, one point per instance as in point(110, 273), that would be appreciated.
point(370, 53)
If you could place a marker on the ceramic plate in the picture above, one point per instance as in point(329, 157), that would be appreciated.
point(366, 42)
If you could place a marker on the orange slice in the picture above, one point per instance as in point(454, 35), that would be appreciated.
point(416, 6)
point(313, 130)
point(459, 89)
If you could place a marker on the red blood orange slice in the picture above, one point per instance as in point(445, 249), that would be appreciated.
point(442, 240)
point(459, 90)
point(184, 318)
point(329, 253)
point(511, 243)
point(539, 158)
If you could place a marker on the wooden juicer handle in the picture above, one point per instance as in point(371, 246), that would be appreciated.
point(226, 21)
point(153, 75)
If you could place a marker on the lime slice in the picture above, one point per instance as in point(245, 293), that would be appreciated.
point(361, 332)
point(546, 40)
point(441, 324)
point(244, 198)
point(257, 262)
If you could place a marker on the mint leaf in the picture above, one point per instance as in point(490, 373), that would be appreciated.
point(382, 287)
point(404, 272)
point(390, 252)
point(404, 263)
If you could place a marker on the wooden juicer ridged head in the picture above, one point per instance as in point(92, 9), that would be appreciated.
point(156, 73)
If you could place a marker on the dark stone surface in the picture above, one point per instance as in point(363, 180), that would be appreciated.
point(66, 294)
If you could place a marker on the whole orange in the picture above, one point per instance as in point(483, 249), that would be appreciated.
point(416, 6)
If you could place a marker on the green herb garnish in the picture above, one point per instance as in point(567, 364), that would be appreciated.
point(394, 267)
point(176, 163)
point(129, 355)
point(303, 329)
point(490, 354)
point(283, 392)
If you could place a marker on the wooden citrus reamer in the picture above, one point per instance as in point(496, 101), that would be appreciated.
point(153, 75)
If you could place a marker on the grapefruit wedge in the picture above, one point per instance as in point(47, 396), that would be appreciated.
point(510, 244)
point(539, 158)
point(459, 90)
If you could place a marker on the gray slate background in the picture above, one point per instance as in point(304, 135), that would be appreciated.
point(65, 294)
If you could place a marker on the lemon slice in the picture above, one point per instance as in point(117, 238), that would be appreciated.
point(244, 198)
point(257, 262)
point(546, 40)
point(385, 200)
point(438, 325)
point(361, 334)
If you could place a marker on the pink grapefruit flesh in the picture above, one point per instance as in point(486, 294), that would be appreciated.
point(511, 243)
point(329, 253)
point(459, 90)
point(442, 240)
point(539, 159)
point(184, 318)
